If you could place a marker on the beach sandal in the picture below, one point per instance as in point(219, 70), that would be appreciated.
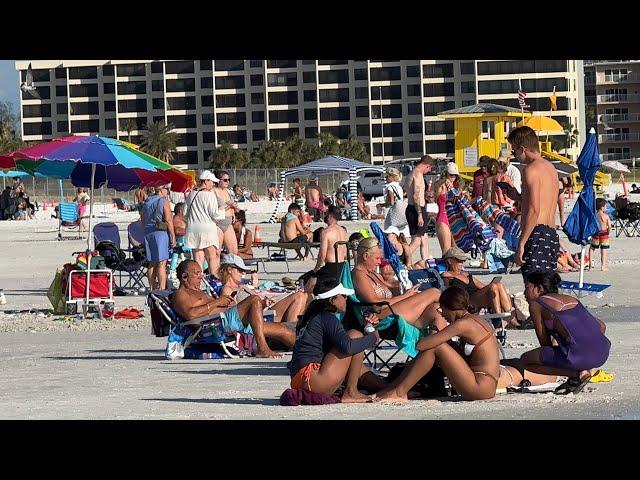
point(572, 385)
point(600, 376)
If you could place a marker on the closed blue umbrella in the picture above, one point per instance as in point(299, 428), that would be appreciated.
point(582, 222)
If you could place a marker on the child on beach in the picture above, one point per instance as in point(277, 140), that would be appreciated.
point(601, 239)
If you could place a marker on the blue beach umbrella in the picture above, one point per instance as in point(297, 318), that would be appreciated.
point(582, 222)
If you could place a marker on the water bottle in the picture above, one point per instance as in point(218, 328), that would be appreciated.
point(369, 328)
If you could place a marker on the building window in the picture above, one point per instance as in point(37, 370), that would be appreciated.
point(282, 133)
point(415, 127)
point(39, 128)
point(187, 140)
point(468, 87)
point(63, 126)
point(282, 79)
point(283, 116)
point(85, 126)
point(109, 106)
point(337, 113)
point(257, 98)
point(281, 63)
point(308, 77)
point(228, 119)
point(182, 121)
point(257, 117)
point(333, 62)
point(255, 63)
point(432, 109)
point(392, 92)
point(362, 130)
point(334, 95)
point(131, 70)
point(126, 106)
point(108, 71)
point(159, 118)
point(415, 146)
point(310, 114)
point(206, 82)
point(207, 119)
point(36, 111)
point(310, 132)
point(232, 100)
point(308, 62)
point(362, 92)
point(156, 67)
point(132, 88)
point(157, 85)
point(413, 70)
point(178, 103)
point(81, 90)
point(439, 128)
point(467, 68)
point(385, 74)
point(388, 111)
point(486, 87)
point(109, 123)
point(185, 158)
point(341, 131)
point(179, 67)
point(61, 72)
point(63, 108)
point(181, 85)
point(445, 147)
point(208, 137)
point(390, 130)
point(390, 148)
point(206, 100)
point(82, 73)
point(85, 108)
point(438, 89)
point(229, 65)
point(360, 74)
point(235, 81)
point(521, 66)
point(444, 70)
point(310, 96)
point(258, 135)
point(61, 91)
point(333, 76)
point(283, 98)
point(414, 109)
point(257, 80)
point(206, 65)
point(362, 111)
point(413, 90)
point(109, 88)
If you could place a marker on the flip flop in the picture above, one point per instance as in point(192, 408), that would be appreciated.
point(600, 376)
point(572, 385)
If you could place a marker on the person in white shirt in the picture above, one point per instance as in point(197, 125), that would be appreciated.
point(512, 171)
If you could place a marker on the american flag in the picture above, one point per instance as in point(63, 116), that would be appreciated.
point(521, 96)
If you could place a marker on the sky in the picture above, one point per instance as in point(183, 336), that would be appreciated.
point(9, 86)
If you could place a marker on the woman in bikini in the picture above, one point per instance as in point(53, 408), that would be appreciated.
point(227, 208)
point(441, 189)
point(494, 295)
point(414, 310)
point(580, 344)
point(473, 370)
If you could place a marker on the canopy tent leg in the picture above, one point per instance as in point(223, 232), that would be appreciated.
point(353, 188)
point(280, 198)
point(89, 238)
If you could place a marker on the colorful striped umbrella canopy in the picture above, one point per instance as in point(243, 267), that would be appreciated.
point(117, 164)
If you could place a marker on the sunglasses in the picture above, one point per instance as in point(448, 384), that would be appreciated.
point(224, 179)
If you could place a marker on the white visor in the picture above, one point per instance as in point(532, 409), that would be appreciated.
point(337, 290)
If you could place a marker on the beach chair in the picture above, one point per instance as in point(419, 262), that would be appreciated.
point(69, 218)
point(135, 236)
point(574, 288)
point(198, 333)
point(277, 251)
point(107, 240)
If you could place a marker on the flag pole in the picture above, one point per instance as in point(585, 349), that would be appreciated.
point(521, 107)
point(553, 95)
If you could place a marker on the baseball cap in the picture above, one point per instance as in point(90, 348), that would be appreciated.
point(337, 290)
point(208, 175)
point(236, 261)
point(457, 253)
point(452, 169)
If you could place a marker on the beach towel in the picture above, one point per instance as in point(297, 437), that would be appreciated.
point(389, 252)
point(467, 227)
point(292, 397)
point(493, 213)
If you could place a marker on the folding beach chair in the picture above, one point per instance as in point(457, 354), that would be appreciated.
point(68, 217)
point(574, 288)
point(281, 249)
point(107, 240)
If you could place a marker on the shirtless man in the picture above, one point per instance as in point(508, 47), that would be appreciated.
point(292, 231)
point(190, 302)
point(314, 197)
point(328, 237)
point(539, 243)
point(416, 216)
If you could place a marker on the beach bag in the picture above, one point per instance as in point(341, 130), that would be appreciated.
point(56, 293)
point(161, 225)
point(396, 215)
point(522, 307)
point(432, 385)
point(175, 346)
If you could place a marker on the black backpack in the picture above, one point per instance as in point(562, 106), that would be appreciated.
point(113, 256)
point(432, 385)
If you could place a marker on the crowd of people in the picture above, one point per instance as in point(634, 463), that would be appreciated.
point(14, 202)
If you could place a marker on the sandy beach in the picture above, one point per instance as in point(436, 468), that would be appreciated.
point(54, 368)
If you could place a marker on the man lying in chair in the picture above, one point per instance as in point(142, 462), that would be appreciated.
point(190, 302)
point(292, 230)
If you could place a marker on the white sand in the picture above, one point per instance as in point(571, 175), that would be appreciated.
point(116, 369)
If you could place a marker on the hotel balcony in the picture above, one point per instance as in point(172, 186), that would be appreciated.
point(619, 137)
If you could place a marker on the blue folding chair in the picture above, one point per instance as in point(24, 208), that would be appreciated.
point(68, 217)
point(107, 240)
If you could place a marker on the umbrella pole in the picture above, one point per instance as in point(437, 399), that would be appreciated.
point(584, 249)
point(89, 249)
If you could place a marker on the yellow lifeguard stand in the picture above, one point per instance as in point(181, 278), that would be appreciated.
point(481, 129)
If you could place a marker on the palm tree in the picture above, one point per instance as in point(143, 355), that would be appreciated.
point(225, 156)
point(571, 137)
point(128, 125)
point(159, 140)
